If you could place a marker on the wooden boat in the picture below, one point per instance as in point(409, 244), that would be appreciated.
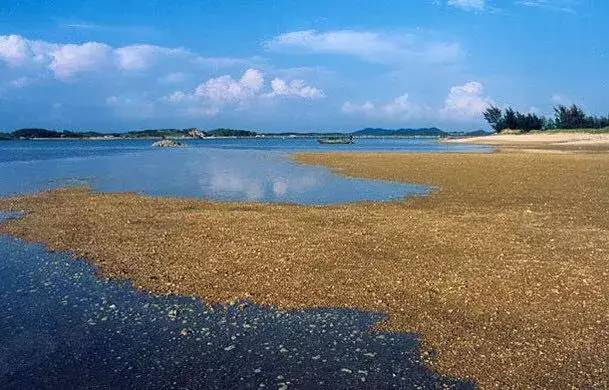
point(336, 140)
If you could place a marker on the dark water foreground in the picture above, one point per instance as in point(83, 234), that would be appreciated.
point(63, 327)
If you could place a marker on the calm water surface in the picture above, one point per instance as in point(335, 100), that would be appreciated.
point(63, 327)
point(221, 169)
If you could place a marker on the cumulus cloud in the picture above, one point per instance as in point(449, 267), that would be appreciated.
point(466, 102)
point(225, 89)
point(476, 5)
point(366, 45)
point(296, 88)
point(14, 49)
point(63, 60)
point(211, 96)
point(67, 61)
point(140, 57)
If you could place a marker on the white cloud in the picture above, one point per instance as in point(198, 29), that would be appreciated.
point(140, 57)
point(296, 88)
point(369, 46)
point(211, 96)
point(69, 60)
point(399, 108)
point(63, 60)
point(14, 49)
point(225, 89)
point(561, 99)
point(555, 5)
point(466, 102)
point(475, 5)
point(18, 51)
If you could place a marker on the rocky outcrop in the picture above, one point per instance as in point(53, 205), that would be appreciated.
point(196, 133)
point(168, 143)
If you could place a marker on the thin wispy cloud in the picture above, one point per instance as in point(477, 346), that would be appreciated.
point(84, 26)
point(568, 6)
point(369, 46)
point(468, 5)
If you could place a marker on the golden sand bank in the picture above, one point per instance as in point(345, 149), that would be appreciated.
point(504, 270)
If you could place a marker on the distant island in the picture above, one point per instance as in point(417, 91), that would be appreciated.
point(195, 133)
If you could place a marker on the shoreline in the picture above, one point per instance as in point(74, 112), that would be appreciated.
point(490, 269)
point(556, 141)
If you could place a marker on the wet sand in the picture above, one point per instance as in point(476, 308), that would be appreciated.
point(503, 270)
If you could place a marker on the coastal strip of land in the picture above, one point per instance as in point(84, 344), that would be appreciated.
point(576, 140)
point(503, 270)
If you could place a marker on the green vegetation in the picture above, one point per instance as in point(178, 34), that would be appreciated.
point(575, 118)
point(231, 133)
point(569, 118)
point(38, 133)
point(31, 133)
point(35, 133)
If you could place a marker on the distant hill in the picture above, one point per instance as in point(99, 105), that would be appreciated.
point(230, 133)
point(38, 133)
point(376, 132)
point(44, 133)
point(35, 133)
point(475, 133)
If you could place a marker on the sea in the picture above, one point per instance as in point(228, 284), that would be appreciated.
point(63, 326)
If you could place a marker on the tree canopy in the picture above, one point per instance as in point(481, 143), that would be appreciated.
point(572, 117)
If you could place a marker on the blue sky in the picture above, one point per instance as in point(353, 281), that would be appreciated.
point(296, 65)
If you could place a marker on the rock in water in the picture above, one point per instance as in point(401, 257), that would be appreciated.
point(196, 133)
point(168, 143)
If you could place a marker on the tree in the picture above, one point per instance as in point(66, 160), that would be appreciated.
point(494, 117)
point(572, 117)
point(511, 119)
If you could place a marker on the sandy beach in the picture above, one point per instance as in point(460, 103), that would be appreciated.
point(502, 271)
point(560, 141)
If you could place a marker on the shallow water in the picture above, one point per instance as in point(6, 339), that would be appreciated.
point(220, 169)
point(62, 326)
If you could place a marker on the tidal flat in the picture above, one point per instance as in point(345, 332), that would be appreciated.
point(502, 270)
